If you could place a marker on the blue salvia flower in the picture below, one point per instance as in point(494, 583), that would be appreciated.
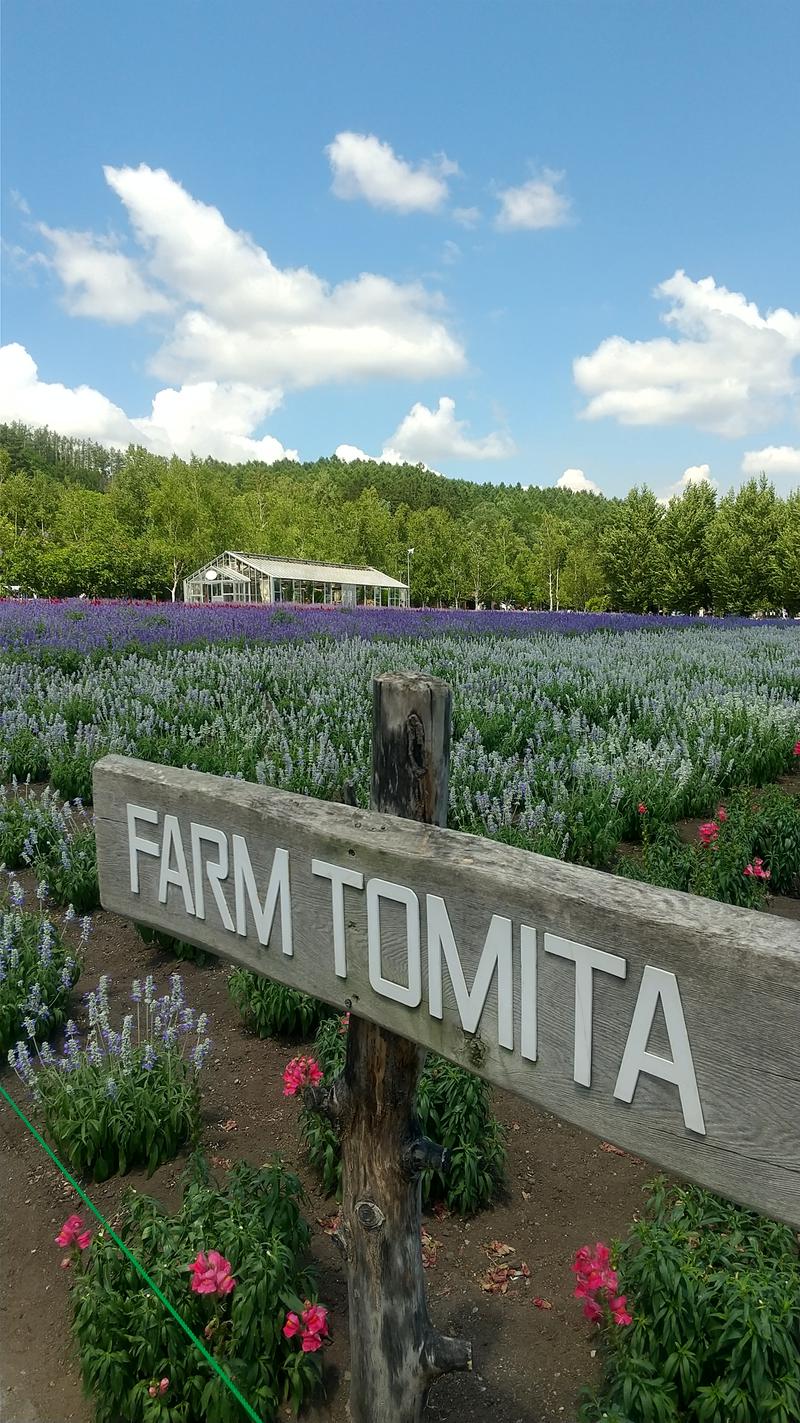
point(41, 891)
point(86, 928)
point(149, 1057)
point(69, 914)
point(16, 894)
point(136, 991)
point(149, 988)
point(176, 995)
point(93, 1053)
point(111, 1087)
point(199, 1054)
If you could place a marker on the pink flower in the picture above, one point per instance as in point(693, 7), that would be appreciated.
point(756, 870)
point(300, 1072)
point(796, 751)
point(66, 1262)
point(163, 1386)
point(68, 1233)
point(153, 1391)
point(211, 1275)
point(592, 1311)
point(642, 808)
point(602, 1255)
point(708, 833)
point(311, 1342)
point(619, 1312)
point(84, 1240)
point(722, 814)
point(315, 1318)
point(292, 1326)
point(344, 1023)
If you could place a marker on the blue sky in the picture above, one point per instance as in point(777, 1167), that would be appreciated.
point(518, 178)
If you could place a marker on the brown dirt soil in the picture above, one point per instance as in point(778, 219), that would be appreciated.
point(563, 1190)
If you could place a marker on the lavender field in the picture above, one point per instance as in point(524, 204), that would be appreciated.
point(558, 739)
point(86, 626)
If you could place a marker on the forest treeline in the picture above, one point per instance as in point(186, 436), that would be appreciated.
point(78, 518)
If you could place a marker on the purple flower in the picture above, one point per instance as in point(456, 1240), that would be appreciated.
point(149, 1058)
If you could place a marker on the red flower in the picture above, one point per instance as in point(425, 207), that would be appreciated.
point(211, 1275)
point(292, 1326)
point(300, 1072)
point(796, 748)
point(642, 808)
point(708, 833)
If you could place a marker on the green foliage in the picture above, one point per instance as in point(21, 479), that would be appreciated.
point(70, 871)
point(177, 948)
point(715, 1296)
point(38, 969)
point(762, 825)
point(129, 1098)
point(454, 1110)
point(126, 1340)
point(273, 1010)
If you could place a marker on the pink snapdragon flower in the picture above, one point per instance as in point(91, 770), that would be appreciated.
point(722, 814)
point(642, 808)
point(300, 1072)
point(796, 751)
point(596, 1282)
point(756, 870)
point(211, 1274)
point(708, 833)
point(68, 1233)
point(311, 1326)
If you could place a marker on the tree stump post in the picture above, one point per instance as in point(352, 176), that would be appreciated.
point(395, 1352)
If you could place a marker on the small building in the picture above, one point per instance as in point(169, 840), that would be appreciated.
point(256, 578)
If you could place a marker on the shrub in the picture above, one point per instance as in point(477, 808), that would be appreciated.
point(715, 1299)
point(38, 969)
point(230, 1261)
point(30, 824)
point(178, 948)
point(128, 1098)
point(56, 839)
point(70, 870)
point(454, 1110)
point(273, 1010)
point(731, 859)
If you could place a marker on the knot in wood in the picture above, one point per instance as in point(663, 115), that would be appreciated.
point(415, 744)
point(369, 1215)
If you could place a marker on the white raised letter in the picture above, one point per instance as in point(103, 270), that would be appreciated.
point(496, 953)
point(263, 915)
point(586, 960)
point(180, 875)
point(217, 871)
point(529, 1007)
point(339, 876)
point(378, 889)
point(135, 842)
point(658, 985)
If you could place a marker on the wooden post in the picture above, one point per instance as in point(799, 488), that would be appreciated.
point(395, 1353)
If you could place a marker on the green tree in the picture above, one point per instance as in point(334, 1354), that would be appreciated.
point(632, 553)
point(743, 541)
point(787, 555)
point(686, 585)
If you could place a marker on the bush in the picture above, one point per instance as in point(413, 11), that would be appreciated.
point(56, 839)
point(273, 1010)
point(70, 871)
point(715, 1299)
point(178, 948)
point(454, 1110)
point(38, 969)
point(30, 824)
point(751, 845)
point(128, 1098)
point(254, 1221)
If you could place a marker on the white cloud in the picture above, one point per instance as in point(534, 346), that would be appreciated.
point(534, 205)
point(467, 217)
point(694, 474)
point(773, 459)
point(450, 252)
point(427, 434)
point(729, 370)
point(244, 319)
point(576, 481)
point(202, 419)
point(364, 167)
point(98, 280)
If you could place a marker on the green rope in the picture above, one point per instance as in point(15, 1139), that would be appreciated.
point(123, 1247)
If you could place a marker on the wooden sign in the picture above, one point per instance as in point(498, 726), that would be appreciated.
point(663, 1022)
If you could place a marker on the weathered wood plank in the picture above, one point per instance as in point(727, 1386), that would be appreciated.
point(737, 972)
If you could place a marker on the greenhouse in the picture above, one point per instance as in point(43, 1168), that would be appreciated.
point(255, 578)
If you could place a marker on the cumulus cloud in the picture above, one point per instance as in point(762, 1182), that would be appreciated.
point(729, 369)
point(576, 481)
point(365, 167)
point(425, 435)
point(534, 205)
point(98, 279)
point(206, 418)
point(237, 316)
point(694, 474)
point(773, 459)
